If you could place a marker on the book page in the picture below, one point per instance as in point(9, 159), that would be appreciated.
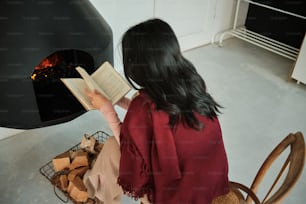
point(91, 84)
point(77, 88)
point(112, 83)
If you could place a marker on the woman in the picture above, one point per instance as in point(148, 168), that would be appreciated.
point(170, 139)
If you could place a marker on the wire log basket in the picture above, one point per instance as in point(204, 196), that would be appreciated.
point(47, 171)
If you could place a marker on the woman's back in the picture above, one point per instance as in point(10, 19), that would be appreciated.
point(203, 165)
point(174, 165)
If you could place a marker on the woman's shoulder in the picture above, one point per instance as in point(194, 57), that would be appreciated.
point(140, 99)
point(141, 96)
point(140, 106)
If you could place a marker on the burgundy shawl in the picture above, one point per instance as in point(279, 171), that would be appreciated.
point(178, 165)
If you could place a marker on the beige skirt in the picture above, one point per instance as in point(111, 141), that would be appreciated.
point(101, 180)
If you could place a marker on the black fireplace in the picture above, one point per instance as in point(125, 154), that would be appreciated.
point(42, 41)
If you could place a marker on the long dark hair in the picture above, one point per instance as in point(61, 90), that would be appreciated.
point(152, 59)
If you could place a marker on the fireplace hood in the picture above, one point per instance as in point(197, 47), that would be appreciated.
point(33, 30)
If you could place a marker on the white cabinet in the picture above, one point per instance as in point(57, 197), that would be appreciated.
point(197, 21)
point(299, 71)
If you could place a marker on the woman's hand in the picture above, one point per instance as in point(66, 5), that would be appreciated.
point(105, 106)
point(97, 99)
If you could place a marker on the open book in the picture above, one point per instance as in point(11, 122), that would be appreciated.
point(105, 80)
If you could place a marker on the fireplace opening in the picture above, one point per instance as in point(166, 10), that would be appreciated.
point(53, 98)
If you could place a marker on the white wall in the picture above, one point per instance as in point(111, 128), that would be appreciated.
point(191, 20)
point(224, 16)
point(195, 22)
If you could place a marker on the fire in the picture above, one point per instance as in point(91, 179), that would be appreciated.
point(51, 61)
point(33, 76)
point(42, 68)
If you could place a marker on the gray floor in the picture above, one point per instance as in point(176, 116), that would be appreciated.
point(260, 108)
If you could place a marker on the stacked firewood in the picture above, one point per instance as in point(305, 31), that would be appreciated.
point(70, 167)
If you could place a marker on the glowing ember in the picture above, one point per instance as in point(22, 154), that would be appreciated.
point(48, 62)
point(45, 66)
